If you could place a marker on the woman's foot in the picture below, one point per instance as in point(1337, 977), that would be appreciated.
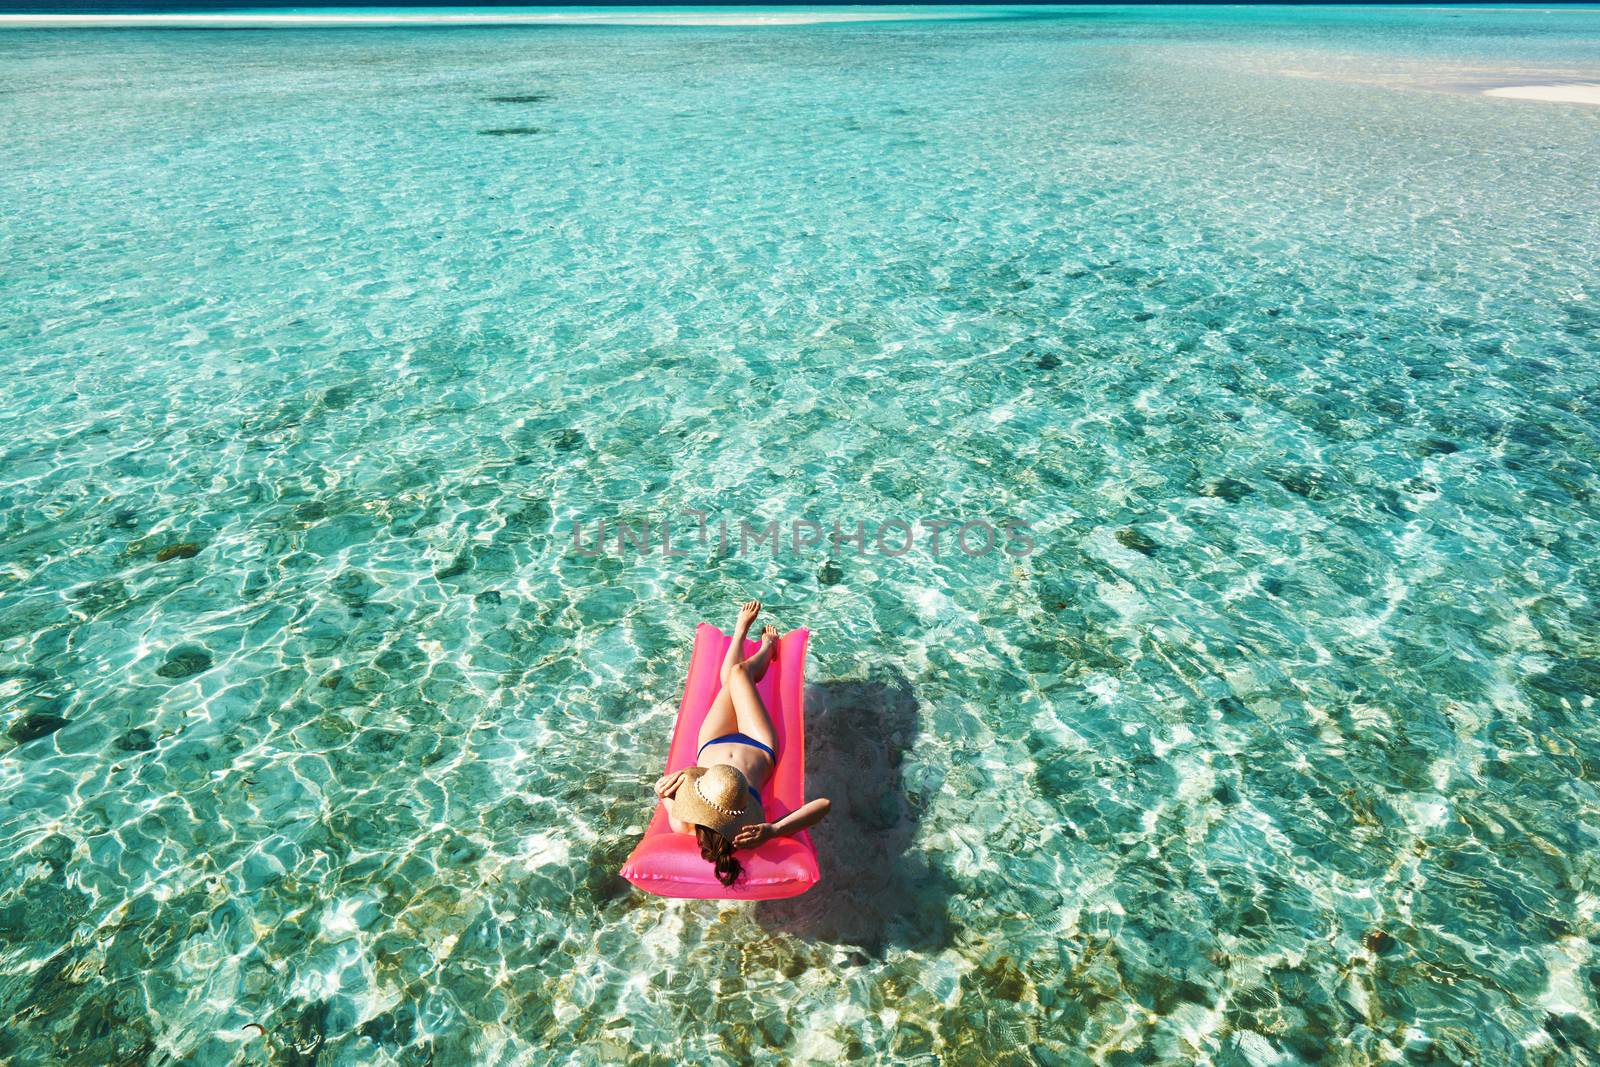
point(747, 615)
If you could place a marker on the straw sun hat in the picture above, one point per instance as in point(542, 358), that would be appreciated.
point(716, 798)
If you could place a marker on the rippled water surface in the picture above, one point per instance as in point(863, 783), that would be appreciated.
point(322, 743)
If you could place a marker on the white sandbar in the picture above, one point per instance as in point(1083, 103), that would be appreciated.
point(1578, 93)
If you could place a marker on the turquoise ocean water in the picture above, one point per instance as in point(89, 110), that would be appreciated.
point(322, 743)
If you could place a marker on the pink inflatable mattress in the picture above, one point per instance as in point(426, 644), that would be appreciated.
point(669, 864)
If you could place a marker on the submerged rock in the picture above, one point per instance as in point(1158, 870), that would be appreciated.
point(184, 661)
point(1230, 489)
point(911, 1040)
point(1048, 361)
point(397, 1026)
point(34, 725)
point(100, 596)
point(567, 440)
point(1131, 538)
point(340, 396)
point(185, 550)
point(523, 98)
point(1378, 943)
point(137, 740)
point(1312, 485)
point(830, 573)
point(458, 851)
point(1001, 979)
point(1568, 1029)
point(512, 131)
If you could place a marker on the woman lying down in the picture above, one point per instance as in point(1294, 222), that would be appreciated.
point(719, 800)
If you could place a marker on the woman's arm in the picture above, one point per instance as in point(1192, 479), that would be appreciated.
point(808, 814)
point(672, 821)
point(667, 785)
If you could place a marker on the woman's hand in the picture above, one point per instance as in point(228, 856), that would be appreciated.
point(751, 836)
point(668, 784)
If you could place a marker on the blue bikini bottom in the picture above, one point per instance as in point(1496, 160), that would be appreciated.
point(736, 738)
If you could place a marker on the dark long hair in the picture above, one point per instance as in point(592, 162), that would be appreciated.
point(718, 851)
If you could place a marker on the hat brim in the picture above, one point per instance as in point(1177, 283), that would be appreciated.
point(688, 806)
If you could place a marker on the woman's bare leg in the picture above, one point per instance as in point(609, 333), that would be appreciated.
point(748, 709)
point(741, 627)
point(720, 720)
point(758, 663)
point(724, 717)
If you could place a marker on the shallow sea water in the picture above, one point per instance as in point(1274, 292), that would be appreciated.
point(322, 743)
